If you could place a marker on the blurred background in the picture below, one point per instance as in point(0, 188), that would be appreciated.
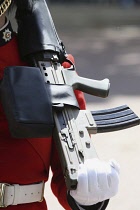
point(95, 1)
point(104, 38)
point(101, 2)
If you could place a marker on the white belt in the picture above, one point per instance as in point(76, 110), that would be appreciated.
point(20, 194)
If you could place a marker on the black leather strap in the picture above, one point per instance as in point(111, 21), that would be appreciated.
point(98, 206)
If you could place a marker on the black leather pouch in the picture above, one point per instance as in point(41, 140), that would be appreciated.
point(27, 102)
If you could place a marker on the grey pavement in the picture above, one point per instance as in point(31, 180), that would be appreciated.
point(111, 51)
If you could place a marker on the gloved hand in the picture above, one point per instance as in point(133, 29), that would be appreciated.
point(97, 181)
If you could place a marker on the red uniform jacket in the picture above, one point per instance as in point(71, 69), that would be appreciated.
point(27, 161)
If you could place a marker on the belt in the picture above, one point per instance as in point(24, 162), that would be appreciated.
point(14, 194)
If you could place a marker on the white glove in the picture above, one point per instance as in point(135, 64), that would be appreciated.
point(97, 181)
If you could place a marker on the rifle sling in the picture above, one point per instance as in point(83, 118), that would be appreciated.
point(63, 94)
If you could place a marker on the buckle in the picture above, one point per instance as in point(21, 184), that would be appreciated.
point(42, 194)
point(2, 194)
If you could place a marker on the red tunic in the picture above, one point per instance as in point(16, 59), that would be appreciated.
point(25, 161)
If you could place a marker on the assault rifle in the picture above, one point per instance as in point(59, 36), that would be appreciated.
point(42, 48)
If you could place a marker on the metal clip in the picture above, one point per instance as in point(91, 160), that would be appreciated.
point(2, 194)
point(42, 195)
